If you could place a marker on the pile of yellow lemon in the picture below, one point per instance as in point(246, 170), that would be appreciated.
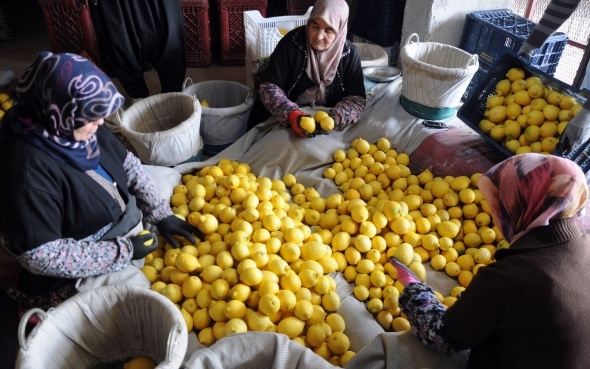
point(526, 115)
point(271, 245)
point(5, 104)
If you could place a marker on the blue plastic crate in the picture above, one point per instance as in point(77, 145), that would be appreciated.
point(492, 33)
point(472, 111)
point(380, 21)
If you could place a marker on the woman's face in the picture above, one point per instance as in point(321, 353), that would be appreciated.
point(85, 132)
point(320, 34)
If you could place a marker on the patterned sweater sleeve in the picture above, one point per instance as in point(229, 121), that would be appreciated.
point(153, 206)
point(276, 102)
point(70, 258)
point(425, 313)
point(348, 111)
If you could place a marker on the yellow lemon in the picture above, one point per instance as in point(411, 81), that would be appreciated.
point(307, 124)
point(140, 362)
point(494, 100)
point(548, 129)
point(338, 343)
point(536, 90)
point(173, 292)
point(251, 276)
point(503, 87)
point(291, 326)
point(447, 229)
point(538, 104)
point(496, 114)
point(548, 144)
point(535, 118)
point(327, 123)
point(269, 304)
point(515, 73)
point(532, 133)
point(518, 85)
point(551, 112)
point(400, 324)
point(567, 102)
point(497, 133)
point(186, 262)
point(554, 97)
point(319, 115)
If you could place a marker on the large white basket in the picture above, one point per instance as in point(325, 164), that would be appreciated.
point(109, 324)
point(164, 129)
point(435, 77)
point(263, 34)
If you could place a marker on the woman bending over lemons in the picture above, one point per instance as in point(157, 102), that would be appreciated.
point(72, 197)
point(531, 308)
point(313, 65)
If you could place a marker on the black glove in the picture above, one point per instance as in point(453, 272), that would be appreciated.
point(175, 226)
point(140, 250)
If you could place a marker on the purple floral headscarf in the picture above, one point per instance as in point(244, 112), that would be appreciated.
point(61, 93)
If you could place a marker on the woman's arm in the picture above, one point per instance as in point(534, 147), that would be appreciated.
point(350, 108)
point(276, 102)
point(149, 200)
point(69, 258)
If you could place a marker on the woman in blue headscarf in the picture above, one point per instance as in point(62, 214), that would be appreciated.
point(72, 198)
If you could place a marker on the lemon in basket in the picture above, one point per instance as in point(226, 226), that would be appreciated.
point(514, 74)
point(140, 363)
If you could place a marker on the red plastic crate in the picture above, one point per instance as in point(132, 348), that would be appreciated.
point(233, 36)
point(197, 31)
point(69, 27)
point(297, 7)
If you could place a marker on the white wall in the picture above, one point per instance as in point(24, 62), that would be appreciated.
point(442, 20)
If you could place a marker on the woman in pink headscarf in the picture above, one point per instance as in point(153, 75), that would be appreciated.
point(313, 65)
point(531, 308)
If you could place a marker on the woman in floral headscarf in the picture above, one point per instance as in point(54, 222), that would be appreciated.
point(313, 65)
point(531, 308)
point(72, 198)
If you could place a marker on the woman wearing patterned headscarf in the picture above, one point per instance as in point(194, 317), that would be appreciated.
point(70, 193)
point(313, 65)
point(531, 308)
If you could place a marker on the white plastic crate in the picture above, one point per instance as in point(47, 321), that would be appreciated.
point(263, 34)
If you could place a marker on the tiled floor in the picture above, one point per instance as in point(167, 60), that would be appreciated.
point(31, 36)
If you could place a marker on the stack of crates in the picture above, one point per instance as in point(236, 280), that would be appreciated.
point(231, 24)
point(380, 22)
point(263, 35)
point(70, 29)
point(197, 31)
point(297, 7)
point(490, 34)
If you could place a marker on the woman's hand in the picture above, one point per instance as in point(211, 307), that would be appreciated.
point(168, 227)
point(404, 274)
point(140, 250)
point(294, 119)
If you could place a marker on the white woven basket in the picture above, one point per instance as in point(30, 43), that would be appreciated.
point(435, 76)
point(106, 325)
point(372, 55)
point(164, 129)
point(226, 118)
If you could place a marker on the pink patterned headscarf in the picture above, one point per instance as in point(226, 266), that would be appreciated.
point(529, 190)
point(322, 65)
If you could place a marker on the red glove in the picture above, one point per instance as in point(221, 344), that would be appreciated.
point(294, 118)
point(404, 274)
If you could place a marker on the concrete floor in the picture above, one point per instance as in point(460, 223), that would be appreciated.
point(31, 36)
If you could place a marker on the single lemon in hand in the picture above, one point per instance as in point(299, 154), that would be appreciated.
point(147, 243)
point(327, 123)
point(319, 115)
point(307, 124)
